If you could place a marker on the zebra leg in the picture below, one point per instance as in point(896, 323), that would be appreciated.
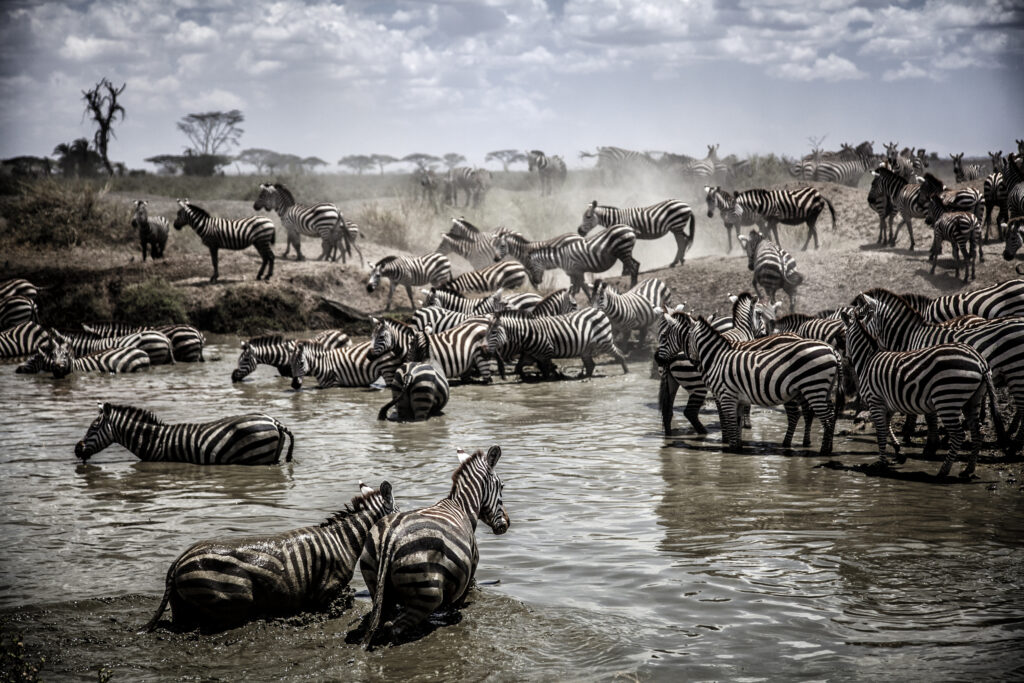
point(692, 410)
point(812, 231)
point(391, 292)
point(951, 421)
point(746, 416)
point(588, 367)
point(808, 414)
point(971, 413)
point(909, 426)
point(792, 417)
point(728, 409)
point(881, 419)
point(213, 257)
point(821, 404)
point(412, 302)
point(931, 444)
point(267, 254)
point(667, 390)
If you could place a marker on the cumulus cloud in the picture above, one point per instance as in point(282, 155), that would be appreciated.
point(831, 68)
point(905, 71)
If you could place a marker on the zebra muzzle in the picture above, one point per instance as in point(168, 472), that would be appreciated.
point(80, 451)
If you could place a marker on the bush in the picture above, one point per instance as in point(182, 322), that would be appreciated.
point(63, 214)
point(151, 302)
point(252, 310)
point(66, 303)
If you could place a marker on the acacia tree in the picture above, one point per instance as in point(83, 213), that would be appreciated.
point(506, 157)
point(212, 132)
point(357, 162)
point(451, 160)
point(422, 161)
point(382, 160)
point(101, 104)
point(309, 164)
point(256, 156)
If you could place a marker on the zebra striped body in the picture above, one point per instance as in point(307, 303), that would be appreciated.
point(430, 269)
point(633, 310)
point(941, 381)
point(550, 170)
point(474, 182)
point(1013, 172)
point(708, 167)
point(558, 302)
point(274, 350)
point(784, 374)
point(789, 207)
point(904, 198)
point(995, 198)
point(614, 164)
point(18, 287)
point(222, 233)
point(227, 581)
point(905, 163)
point(961, 229)
point(1014, 240)
point(773, 267)
point(538, 257)
point(15, 310)
point(418, 392)
point(152, 231)
point(423, 560)
point(597, 253)
point(453, 301)
point(843, 171)
point(186, 340)
point(349, 366)
point(964, 173)
point(648, 222)
point(60, 359)
point(964, 199)
point(321, 220)
point(21, 340)
point(252, 439)
point(879, 202)
point(457, 352)
point(500, 275)
point(155, 344)
point(583, 334)
point(1000, 342)
point(717, 198)
point(439, 319)
point(466, 240)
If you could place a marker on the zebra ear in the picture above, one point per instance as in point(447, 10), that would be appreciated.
point(375, 321)
point(493, 454)
point(463, 455)
point(365, 489)
point(99, 404)
point(385, 490)
point(593, 204)
point(679, 308)
point(244, 345)
point(658, 310)
point(732, 298)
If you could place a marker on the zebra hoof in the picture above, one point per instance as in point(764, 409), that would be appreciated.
point(943, 471)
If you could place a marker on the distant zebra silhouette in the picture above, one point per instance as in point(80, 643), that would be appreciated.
point(222, 582)
point(430, 269)
point(649, 222)
point(242, 440)
point(152, 231)
point(222, 233)
point(615, 164)
point(322, 220)
point(550, 170)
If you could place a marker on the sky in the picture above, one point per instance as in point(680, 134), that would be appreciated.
point(331, 79)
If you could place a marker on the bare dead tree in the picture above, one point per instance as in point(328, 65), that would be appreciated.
point(101, 105)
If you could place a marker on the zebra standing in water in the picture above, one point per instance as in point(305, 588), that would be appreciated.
point(550, 170)
point(633, 310)
point(964, 173)
point(222, 233)
point(54, 354)
point(457, 352)
point(152, 231)
point(941, 382)
point(773, 267)
point(790, 207)
point(21, 340)
point(466, 240)
point(322, 220)
point(995, 301)
point(223, 582)
point(186, 340)
point(155, 344)
point(349, 366)
point(423, 560)
point(500, 275)
point(430, 269)
point(649, 222)
point(583, 334)
point(419, 391)
point(272, 349)
point(252, 439)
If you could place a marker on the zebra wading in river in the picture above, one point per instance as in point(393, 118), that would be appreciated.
point(648, 222)
point(21, 340)
point(430, 269)
point(768, 208)
point(418, 392)
point(186, 340)
point(252, 439)
point(322, 220)
point(275, 350)
point(223, 582)
point(632, 310)
point(773, 267)
point(152, 231)
point(940, 382)
point(550, 170)
point(414, 563)
point(457, 352)
point(54, 354)
point(349, 366)
point(223, 233)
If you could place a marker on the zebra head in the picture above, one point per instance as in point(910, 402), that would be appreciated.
point(599, 295)
point(298, 362)
point(374, 280)
point(533, 159)
point(750, 244)
point(673, 335)
point(379, 502)
point(476, 479)
point(140, 216)
point(246, 363)
point(496, 338)
point(591, 219)
point(382, 340)
point(268, 198)
point(99, 435)
point(57, 354)
point(997, 160)
point(499, 241)
point(183, 218)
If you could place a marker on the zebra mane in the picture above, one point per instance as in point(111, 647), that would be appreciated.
point(463, 224)
point(133, 413)
point(386, 260)
point(354, 506)
point(266, 339)
point(886, 296)
point(284, 191)
point(478, 455)
point(198, 210)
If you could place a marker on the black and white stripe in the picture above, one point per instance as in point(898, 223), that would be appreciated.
point(768, 208)
point(453, 301)
point(252, 439)
point(16, 309)
point(349, 366)
point(995, 193)
point(430, 269)
point(226, 581)
point(56, 356)
point(466, 240)
point(1014, 241)
point(843, 171)
point(903, 197)
point(156, 344)
point(152, 231)
point(414, 563)
point(223, 233)
point(276, 351)
point(18, 287)
point(962, 199)
point(649, 222)
point(322, 220)
point(418, 392)
point(632, 310)
point(21, 340)
point(1013, 172)
point(961, 229)
point(725, 202)
point(964, 173)
point(186, 340)
point(474, 182)
point(773, 267)
point(500, 275)
point(539, 256)
point(458, 353)
point(550, 170)
point(597, 253)
point(886, 210)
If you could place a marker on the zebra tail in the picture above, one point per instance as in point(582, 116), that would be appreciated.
point(383, 413)
point(693, 226)
point(383, 569)
point(151, 625)
point(340, 226)
point(794, 278)
point(831, 210)
point(281, 429)
point(1002, 438)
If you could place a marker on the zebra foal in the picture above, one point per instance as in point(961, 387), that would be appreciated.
point(223, 582)
point(222, 233)
point(152, 231)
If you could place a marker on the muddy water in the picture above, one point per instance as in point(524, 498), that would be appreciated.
point(629, 554)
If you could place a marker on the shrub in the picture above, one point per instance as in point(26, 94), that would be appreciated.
point(63, 214)
point(252, 310)
point(151, 302)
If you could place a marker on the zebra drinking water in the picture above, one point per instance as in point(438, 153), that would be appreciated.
point(274, 350)
point(223, 582)
point(430, 269)
point(152, 231)
point(252, 439)
point(414, 563)
point(648, 223)
point(223, 233)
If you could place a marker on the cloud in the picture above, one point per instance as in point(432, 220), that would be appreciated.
point(831, 68)
point(905, 71)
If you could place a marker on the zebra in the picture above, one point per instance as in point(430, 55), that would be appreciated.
point(466, 240)
point(558, 302)
point(843, 171)
point(1013, 172)
point(155, 344)
point(1014, 231)
point(186, 340)
point(597, 253)
point(906, 163)
point(717, 198)
point(457, 352)
point(790, 207)
point(429, 183)
point(499, 275)
point(21, 340)
point(649, 222)
point(707, 167)
point(964, 199)
point(252, 439)
point(995, 194)
point(633, 310)
point(15, 310)
point(941, 382)
point(904, 197)
point(322, 220)
point(584, 334)
point(425, 559)
point(223, 233)
point(226, 581)
point(272, 349)
point(56, 355)
point(773, 267)
point(349, 366)
point(473, 181)
point(959, 228)
point(453, 301)
point(1000, 342)
point(419, 391)
point(879, 202)
point(613, 163)
point(152, 231)
point(18, 287)
point(795, 370)
point(964, 173)
point(538, 257)
point(433, 269)
point(550, 170)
